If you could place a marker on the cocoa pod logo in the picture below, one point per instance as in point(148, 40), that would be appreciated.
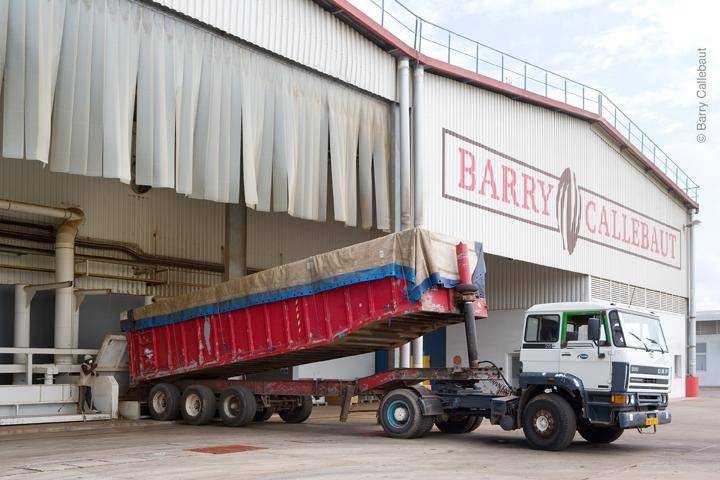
point(568, 208)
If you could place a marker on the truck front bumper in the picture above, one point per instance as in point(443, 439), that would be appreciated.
point(643, 419)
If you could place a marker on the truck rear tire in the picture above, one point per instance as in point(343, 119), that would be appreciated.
point(198, 405)
point(401, 415)
point(459, 424)
point(164, 402)
point(549, 422)
point(263, 414)
point(299, 413)
point(595, 434)
point(237, 406)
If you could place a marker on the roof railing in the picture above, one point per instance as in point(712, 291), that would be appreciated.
point(438, 42)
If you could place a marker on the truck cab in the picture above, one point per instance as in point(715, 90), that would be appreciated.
point(592, 367)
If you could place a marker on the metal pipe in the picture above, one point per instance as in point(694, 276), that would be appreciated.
point(417, 351)
point(468, 292)
point(418, 150)
point(22, 331)
point(69, 214)
point(405, 356)
point(405, 176)
point(692, 385)
point(64, 271)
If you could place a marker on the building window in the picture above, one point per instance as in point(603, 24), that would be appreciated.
point(701, 356)
point(678, 366)
point(711, 327)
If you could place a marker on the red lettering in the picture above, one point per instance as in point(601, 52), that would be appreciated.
point(509, 185)
point(625, 239)
point(545, 195)
point(644, 243)
point(616, 233)
point(654, 241)
point(635, 232)
point(672, 244)
point(663, 243)
point(604, 222)
point(529, 192)
point(467, 171)
point(489, 179)
point(589, 204)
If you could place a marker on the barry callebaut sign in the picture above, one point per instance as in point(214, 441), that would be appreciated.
point(479, 176)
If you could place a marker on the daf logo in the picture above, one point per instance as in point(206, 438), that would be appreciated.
point(663, 371)
point(583, 356)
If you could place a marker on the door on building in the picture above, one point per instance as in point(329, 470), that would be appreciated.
point(582, 357)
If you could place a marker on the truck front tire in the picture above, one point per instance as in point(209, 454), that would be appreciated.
point(401, 415)
point(458, 424)
point(549, 422)
point(595, 434)
point(198, 405)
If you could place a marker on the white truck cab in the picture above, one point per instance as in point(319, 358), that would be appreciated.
point(606, 366)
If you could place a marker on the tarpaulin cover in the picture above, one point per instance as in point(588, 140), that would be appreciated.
point(423, 259)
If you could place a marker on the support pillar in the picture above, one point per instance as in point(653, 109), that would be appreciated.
point(64, 272)
point(692, 383)
point(235, 240)
point(418, 354)
point(405, 356)
point(22, 329)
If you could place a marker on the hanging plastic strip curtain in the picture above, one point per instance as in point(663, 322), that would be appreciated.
point(114, 88)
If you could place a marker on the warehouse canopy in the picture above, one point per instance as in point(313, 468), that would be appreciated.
point(110, 87)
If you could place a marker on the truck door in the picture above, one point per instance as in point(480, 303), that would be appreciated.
point(585, 359)
point(541, 343)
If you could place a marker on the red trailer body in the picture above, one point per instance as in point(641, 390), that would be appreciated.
point(351, 319)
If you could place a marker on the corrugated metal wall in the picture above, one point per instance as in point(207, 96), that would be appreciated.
point(303, 32)
point(513, 284)
point(552, 142)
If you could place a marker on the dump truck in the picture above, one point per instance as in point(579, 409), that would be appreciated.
point(587, 367)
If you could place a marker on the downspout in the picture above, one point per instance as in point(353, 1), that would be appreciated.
point(692, 383)
point(405, 185)
point(64, 297)
point(418, 137)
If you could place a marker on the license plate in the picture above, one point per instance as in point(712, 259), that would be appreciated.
point(652, 421)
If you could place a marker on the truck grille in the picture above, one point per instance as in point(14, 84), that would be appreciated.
point(644, 378)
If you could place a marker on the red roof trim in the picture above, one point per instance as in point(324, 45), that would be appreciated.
point(370, 27)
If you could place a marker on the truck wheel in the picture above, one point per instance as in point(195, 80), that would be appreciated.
point(237, 406)
point(458, 424)
point(594, 434)
point(164, 402)
point(264, 414)
point(401, 415)
point(298, 414)
point(197, 405)
point(549, 422)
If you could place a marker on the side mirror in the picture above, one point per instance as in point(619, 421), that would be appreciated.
point(594, 329)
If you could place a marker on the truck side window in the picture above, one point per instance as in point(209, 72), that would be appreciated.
point(576, 329)
point(616, 329)
point(542, 328)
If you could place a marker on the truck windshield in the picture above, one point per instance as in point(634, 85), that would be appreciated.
point(641, 331)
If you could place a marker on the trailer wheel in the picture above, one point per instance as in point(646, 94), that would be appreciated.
point(594, 434)
point(198, 405)
point(164, 402)
point(549, 422)
point(264, 414)
point(459, 424)
point(237, 406)
point(299, 413)
point(401, 415)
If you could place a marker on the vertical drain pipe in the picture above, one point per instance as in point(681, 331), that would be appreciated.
point(692, 383)
point(405, 176)
point(64, 301)
point(22, 330)
point(418, 137)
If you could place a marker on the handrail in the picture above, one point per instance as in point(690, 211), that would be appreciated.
point(459, 50)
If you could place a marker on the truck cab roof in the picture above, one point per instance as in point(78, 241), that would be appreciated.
point(570, 307)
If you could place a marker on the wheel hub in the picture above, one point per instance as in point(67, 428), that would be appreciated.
point(160, 402)
point(401, 414)
point(544, 423)
point(193, 404)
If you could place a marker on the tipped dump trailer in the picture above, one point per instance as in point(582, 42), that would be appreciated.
point(195, 355)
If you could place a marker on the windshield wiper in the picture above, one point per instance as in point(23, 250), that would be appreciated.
point(656, 343)
point(640, 339)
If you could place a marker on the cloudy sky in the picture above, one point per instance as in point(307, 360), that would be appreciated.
point(641, 53)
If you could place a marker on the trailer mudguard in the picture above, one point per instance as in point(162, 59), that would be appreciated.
point(430, 403)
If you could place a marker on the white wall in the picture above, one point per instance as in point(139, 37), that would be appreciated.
point(710, 377)
point(342, 368)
